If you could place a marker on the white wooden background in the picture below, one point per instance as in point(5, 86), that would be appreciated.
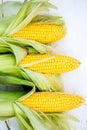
point(74, 44)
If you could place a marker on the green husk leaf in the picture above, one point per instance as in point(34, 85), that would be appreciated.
point(52, 6)
point(8, 65)
point(35, 120)
point(55, 82)
point(8, 60)
point(4, 49)
point(38, 79)
point(72, 118)
point(6, 103)
point(11, 70)
point(36, 1)
point(43, 82)
point(10, 80)
point(21, 126)
point(31, 50)
point(45, 1)
point(11, 95)
point(5, 117)
point(48, 19)
point(22, 119)
point(37, 46)
point(49, 121)
point(3, 43)
point(18, 51)
point(6, 109)
point(62, 120)
point(20, 115)
point(18, 110)
point(24, 123)
point(41, 48)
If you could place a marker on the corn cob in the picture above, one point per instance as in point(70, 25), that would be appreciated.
point(44, 33)
point(52, 101)
point(49, 63)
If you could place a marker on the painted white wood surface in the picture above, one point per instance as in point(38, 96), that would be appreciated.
point(74, 44)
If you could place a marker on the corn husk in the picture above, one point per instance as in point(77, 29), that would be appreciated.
point(43, 82)
point(37, 47)
point(48, 19)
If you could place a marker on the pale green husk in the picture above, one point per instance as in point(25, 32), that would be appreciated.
point(6, 79)
point(36, 120)
point(27, 44)
point(43, 82)
point(48, 19)
point(8, 64)
point(24, 77)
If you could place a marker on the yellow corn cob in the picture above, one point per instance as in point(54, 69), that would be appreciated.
point(53, 101)
point(41, 32)
point(49, 63)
